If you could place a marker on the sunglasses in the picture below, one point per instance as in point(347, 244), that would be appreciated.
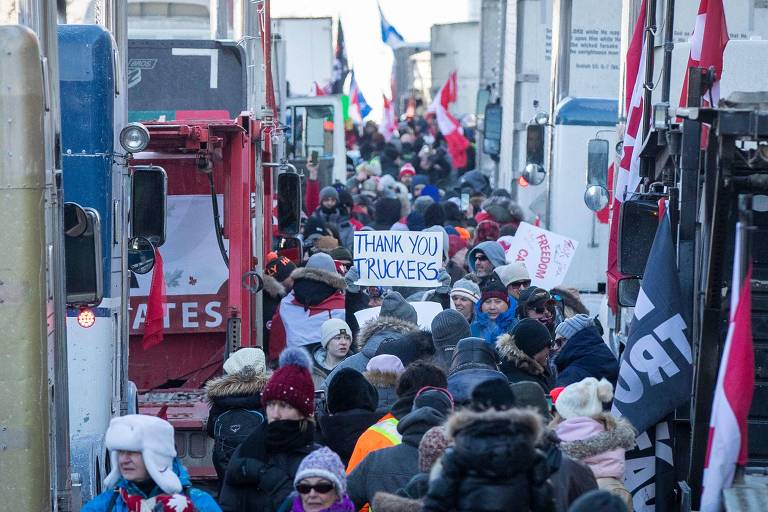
point(320, 488)
point(480, 257)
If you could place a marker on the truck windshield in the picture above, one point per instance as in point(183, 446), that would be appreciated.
point(312, 130)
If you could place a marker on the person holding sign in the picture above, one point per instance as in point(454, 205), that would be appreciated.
point(493, 315)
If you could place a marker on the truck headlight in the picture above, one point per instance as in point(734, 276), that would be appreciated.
point(134, 138)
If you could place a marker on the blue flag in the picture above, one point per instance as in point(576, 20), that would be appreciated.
point(389, 34)
point(356, 96)
point(656, 370)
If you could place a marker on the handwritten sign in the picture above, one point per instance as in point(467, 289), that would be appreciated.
point(426, 311)
point(546, 255)
point(398, 258)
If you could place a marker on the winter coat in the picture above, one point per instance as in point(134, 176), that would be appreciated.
point(373, 333)
point(274, 291)
point(519, 366)
point(253, 483)
point(340, 431)
point(319, 369)
point(469, 368)
point(483, 327)
point(569, 478)
point(240, 390)
point(299, 323)
point(598, 442)
point(389, 469)
point(386, 502)
point(492, 466)
point(202, 501)
point(585, 354)
point(385, 383)
point(339, 219)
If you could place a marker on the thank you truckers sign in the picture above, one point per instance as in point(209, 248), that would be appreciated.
point(398, 258)
point(545, 254)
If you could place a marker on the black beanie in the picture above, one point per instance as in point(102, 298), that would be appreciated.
point(350, 390)
point(493, 394)
point(434, 215)
point(420, 374)
point(387, 211)
point(531, 336)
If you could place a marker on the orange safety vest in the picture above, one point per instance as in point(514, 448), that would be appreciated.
point(381, 435)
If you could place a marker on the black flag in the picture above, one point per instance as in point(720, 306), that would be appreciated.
point(340, 66)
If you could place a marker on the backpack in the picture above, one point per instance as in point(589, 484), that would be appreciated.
point(232, 427)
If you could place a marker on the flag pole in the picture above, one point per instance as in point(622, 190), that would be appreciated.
point(669, 45)
point(650, 30)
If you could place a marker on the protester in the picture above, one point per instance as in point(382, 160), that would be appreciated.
point(261, 471)
point(581, 352)
point(317, 295)
point(236, 406)
point(407, 172)
point(144, 471)
point(465, 293)
point(493, 315)
point(448, 327)
point(333, 214)
point(524, 352)
point(515, 277)
point(352, 404)
point(483, 258)
point(593, 436)
point(335, 342)
point(277, 283)
point(382, 372)
point(320, 484)
point(474, 362)
point(538, 304)
point(413, 346)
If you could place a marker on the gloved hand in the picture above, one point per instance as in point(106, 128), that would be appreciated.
point(350, 278)
point(445, 282)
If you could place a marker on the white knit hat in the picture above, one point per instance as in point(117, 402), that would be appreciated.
point(151, 436)
point(512, 273)
point(584, 398)
point(332, 328)
point(385, 363)
point(248, 356)
point(571, 326)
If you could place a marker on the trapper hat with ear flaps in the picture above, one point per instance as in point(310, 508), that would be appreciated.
point(151, 436)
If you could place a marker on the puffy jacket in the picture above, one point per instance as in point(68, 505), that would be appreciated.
point(389, 469)
point(585, 354)
point(317, 295)
point(101, 503)
point(474, 361)
point(483, 327)
point(493, 465)
point(519, 366)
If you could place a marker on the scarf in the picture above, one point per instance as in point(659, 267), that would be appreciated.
point(285, 436)
point(160, 503)
point(345, 505)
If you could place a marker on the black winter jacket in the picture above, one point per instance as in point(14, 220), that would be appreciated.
point(340, 431)
point(569, 478)
point(519, 366)
point(586, 355)
point(493, 465)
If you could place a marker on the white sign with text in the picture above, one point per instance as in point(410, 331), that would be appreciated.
point(546, 255)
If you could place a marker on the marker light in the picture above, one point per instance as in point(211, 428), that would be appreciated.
point(86, 318)
point(134, 138)
point(522, 181)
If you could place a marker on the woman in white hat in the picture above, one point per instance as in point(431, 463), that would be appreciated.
point(146, 475)
point(335, 342)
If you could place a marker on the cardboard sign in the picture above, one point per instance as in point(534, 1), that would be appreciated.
point(546, 255)
point(398, 258)
point(426, 311)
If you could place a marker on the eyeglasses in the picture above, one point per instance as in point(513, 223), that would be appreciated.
point(320, 488)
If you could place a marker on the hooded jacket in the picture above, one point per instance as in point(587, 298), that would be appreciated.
point(492, 250)
point(317, 295)
point(519, 366)
point(585, 354)
point(202, 501)
point(493, 465)
point(241, 390)
point(385, 384)
point(373, 333)
point(389, 469)
point(483, 327)
point(473, 362)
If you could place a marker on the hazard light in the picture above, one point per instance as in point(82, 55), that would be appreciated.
point(86, 318)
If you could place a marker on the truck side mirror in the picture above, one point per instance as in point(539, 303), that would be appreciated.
point(534, 172)
point(628, 290)
point(141, 255)
point(149, 193)
point(492, 133)
point(596, 194)
point(637, 228)
point(82, 255)
point(288, 203)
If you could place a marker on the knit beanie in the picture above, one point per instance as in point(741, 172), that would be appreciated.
point(322, 261)
point(439, 399)
point(420, 375)
point(493, 394)
point(415, 221)
point(323, 463)
point(349, 389)
point(448, 327)
point(529, 394)
point(154, 438)
point(248, 356)
point(455, 244)
point(407, 170)
point(431, 191)
point(496, 290)
point(584, 398)
point(395, 305)
point(329, 193)
point(280, 268)
point(332, 328)
point(531, 336)
point(421, 203)
point(466, 288)
point(598, 500)
point(571, 326)
point(385, 363)
point(431, 447)
point(512, 273)
point(487, 231)
point(292, 382)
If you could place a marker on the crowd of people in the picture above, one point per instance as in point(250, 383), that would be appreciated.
point(502, 404)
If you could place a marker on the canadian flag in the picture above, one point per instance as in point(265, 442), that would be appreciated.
point(388, 125)
point(153, 327)
point(727, 444)
point(447, 124)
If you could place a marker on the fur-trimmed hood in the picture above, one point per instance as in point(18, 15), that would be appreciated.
point(333, 280)
point(386, 502)
point(509, 351)
point(618, 433)
point(273, 287)
point(381, 324)
point(243, 383)
point(380, 379)
point(466, 418)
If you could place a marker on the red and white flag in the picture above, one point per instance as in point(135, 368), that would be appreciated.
point(447, 124)
point(388, 125)
point(153, 325)
point(727, 444)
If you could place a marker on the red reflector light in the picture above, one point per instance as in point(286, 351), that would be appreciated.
point(86, 318)
point(522, 182)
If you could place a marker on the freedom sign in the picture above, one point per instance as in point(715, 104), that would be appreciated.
point(546, 255)
point(398, 258)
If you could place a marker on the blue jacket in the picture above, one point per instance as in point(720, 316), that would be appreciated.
point(489, 330)
point(202, 501)
point(585, 354)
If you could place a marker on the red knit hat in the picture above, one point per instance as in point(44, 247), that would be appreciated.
point(407, 170)
point(292, 382)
